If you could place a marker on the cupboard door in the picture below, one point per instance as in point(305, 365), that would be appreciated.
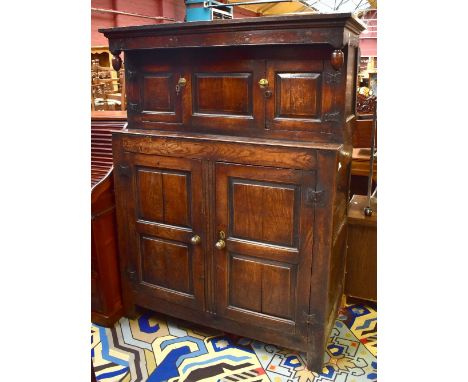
point(300, 99)
point(263, 273)
point(165, 219)
point(155, 96)
point(225, 94)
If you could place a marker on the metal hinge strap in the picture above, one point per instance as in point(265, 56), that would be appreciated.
point(123, 170)
point(311, 319)
point(315, 197)
point(131, 274)
point(133, 107)
point(131, 75)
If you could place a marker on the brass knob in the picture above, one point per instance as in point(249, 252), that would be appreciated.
point(195, 240)
point(263, 83)
point(220, 244)
point(180, 85)
point(182, 81)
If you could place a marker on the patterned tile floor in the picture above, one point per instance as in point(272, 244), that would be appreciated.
point(155, 348)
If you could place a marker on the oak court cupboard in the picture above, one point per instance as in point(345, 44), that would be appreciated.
point(232, 177)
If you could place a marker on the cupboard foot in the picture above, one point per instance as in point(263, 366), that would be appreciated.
point(314, 362)
point(131, 311)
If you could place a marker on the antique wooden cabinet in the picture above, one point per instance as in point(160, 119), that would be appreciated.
point(232, 177)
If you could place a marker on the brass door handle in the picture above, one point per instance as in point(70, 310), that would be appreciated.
point(180, 85)
point(195, 240)
point(220, 244)
point(263, 83)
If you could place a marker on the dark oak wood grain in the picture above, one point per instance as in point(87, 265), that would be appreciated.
point(314, 29)
point(300, 95)
point(231, 190)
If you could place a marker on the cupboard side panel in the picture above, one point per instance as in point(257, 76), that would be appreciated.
point(123, 201)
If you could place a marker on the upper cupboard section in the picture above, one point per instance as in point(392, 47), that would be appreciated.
point(277, 94)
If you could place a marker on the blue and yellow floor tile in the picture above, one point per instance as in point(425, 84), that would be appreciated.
point(153, 348)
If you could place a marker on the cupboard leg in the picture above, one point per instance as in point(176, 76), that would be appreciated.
point(130, 311)
point(314, 361)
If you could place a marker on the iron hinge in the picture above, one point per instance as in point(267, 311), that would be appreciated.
point(123, 170)
point(133, 107)
point(311, 319)
point(131, 274)
point(315, 197)
point(131, 74)
point(332, 117)
point(333, 78)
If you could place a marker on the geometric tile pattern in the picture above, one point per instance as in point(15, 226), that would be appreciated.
point(362, 321)
point(154, 348)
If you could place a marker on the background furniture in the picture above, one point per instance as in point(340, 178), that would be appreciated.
point(106, 300)
point(107, 91)
point(232, 177)
point(362, 143)
point(361, 262)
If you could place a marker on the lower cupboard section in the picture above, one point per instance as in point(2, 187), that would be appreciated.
point(238, 247)
point(296, 342)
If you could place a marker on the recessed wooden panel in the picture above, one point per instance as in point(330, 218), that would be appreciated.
point(297, 95)
point(245, 281)
point(276, 290)
point(164, 197)
point(260, 287)
point(166, 264)
point(263, 212)
point(176, 199)
point(223, 93)
point(302, 100)
point(150, 195)
point(158, 92)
